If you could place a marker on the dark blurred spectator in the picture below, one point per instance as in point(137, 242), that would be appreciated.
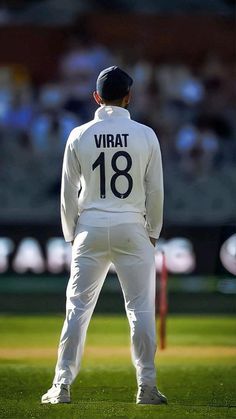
point(78, 68)
point(178, 83)
point(52, 123)
point(215, 74)
point(18, 112)
point(16, 98)
point(197, 148)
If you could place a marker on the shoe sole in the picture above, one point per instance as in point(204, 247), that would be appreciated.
point(154, 404)
point(157, 402)
point(55, 400)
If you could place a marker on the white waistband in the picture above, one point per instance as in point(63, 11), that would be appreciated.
point(103, 219)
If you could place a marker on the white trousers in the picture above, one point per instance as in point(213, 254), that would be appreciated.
point(129, 248)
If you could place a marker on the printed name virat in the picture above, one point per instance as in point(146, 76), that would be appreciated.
point(111, 140)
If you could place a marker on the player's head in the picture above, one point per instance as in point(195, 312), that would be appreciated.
point(113, 87)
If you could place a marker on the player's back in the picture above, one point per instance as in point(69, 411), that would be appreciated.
point(113, 152)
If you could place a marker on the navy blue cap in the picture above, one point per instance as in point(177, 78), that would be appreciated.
point(113, 83)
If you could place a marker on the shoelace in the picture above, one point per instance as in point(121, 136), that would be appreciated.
point(144, 388)
point(153, 392)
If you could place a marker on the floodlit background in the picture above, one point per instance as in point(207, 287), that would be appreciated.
point(182, 58)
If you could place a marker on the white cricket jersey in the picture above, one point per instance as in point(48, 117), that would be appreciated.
point(112, 168)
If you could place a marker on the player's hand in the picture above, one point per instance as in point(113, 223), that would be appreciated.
point(153, 241)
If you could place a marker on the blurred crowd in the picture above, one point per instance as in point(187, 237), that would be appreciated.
point(192, 110)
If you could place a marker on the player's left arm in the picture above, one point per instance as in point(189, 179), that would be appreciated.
point(70, 184)
point(154, 189)
point(153, 240)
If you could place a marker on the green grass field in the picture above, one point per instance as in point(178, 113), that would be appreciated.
point(197, 371)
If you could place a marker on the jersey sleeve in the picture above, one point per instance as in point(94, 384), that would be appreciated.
point(70, 185)
point(154, 189)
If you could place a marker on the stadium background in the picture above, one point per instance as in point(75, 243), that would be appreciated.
point(182, 58)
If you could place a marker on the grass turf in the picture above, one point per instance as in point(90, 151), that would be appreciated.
point(197, 371)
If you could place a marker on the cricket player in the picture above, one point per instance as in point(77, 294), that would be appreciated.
point(111, 212)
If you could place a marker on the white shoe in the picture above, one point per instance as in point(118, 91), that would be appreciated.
point(150, 395)
point(58, 393)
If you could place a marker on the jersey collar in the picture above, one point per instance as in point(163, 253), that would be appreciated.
point(109, 111)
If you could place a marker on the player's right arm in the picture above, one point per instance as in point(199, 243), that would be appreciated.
point(70, 185)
